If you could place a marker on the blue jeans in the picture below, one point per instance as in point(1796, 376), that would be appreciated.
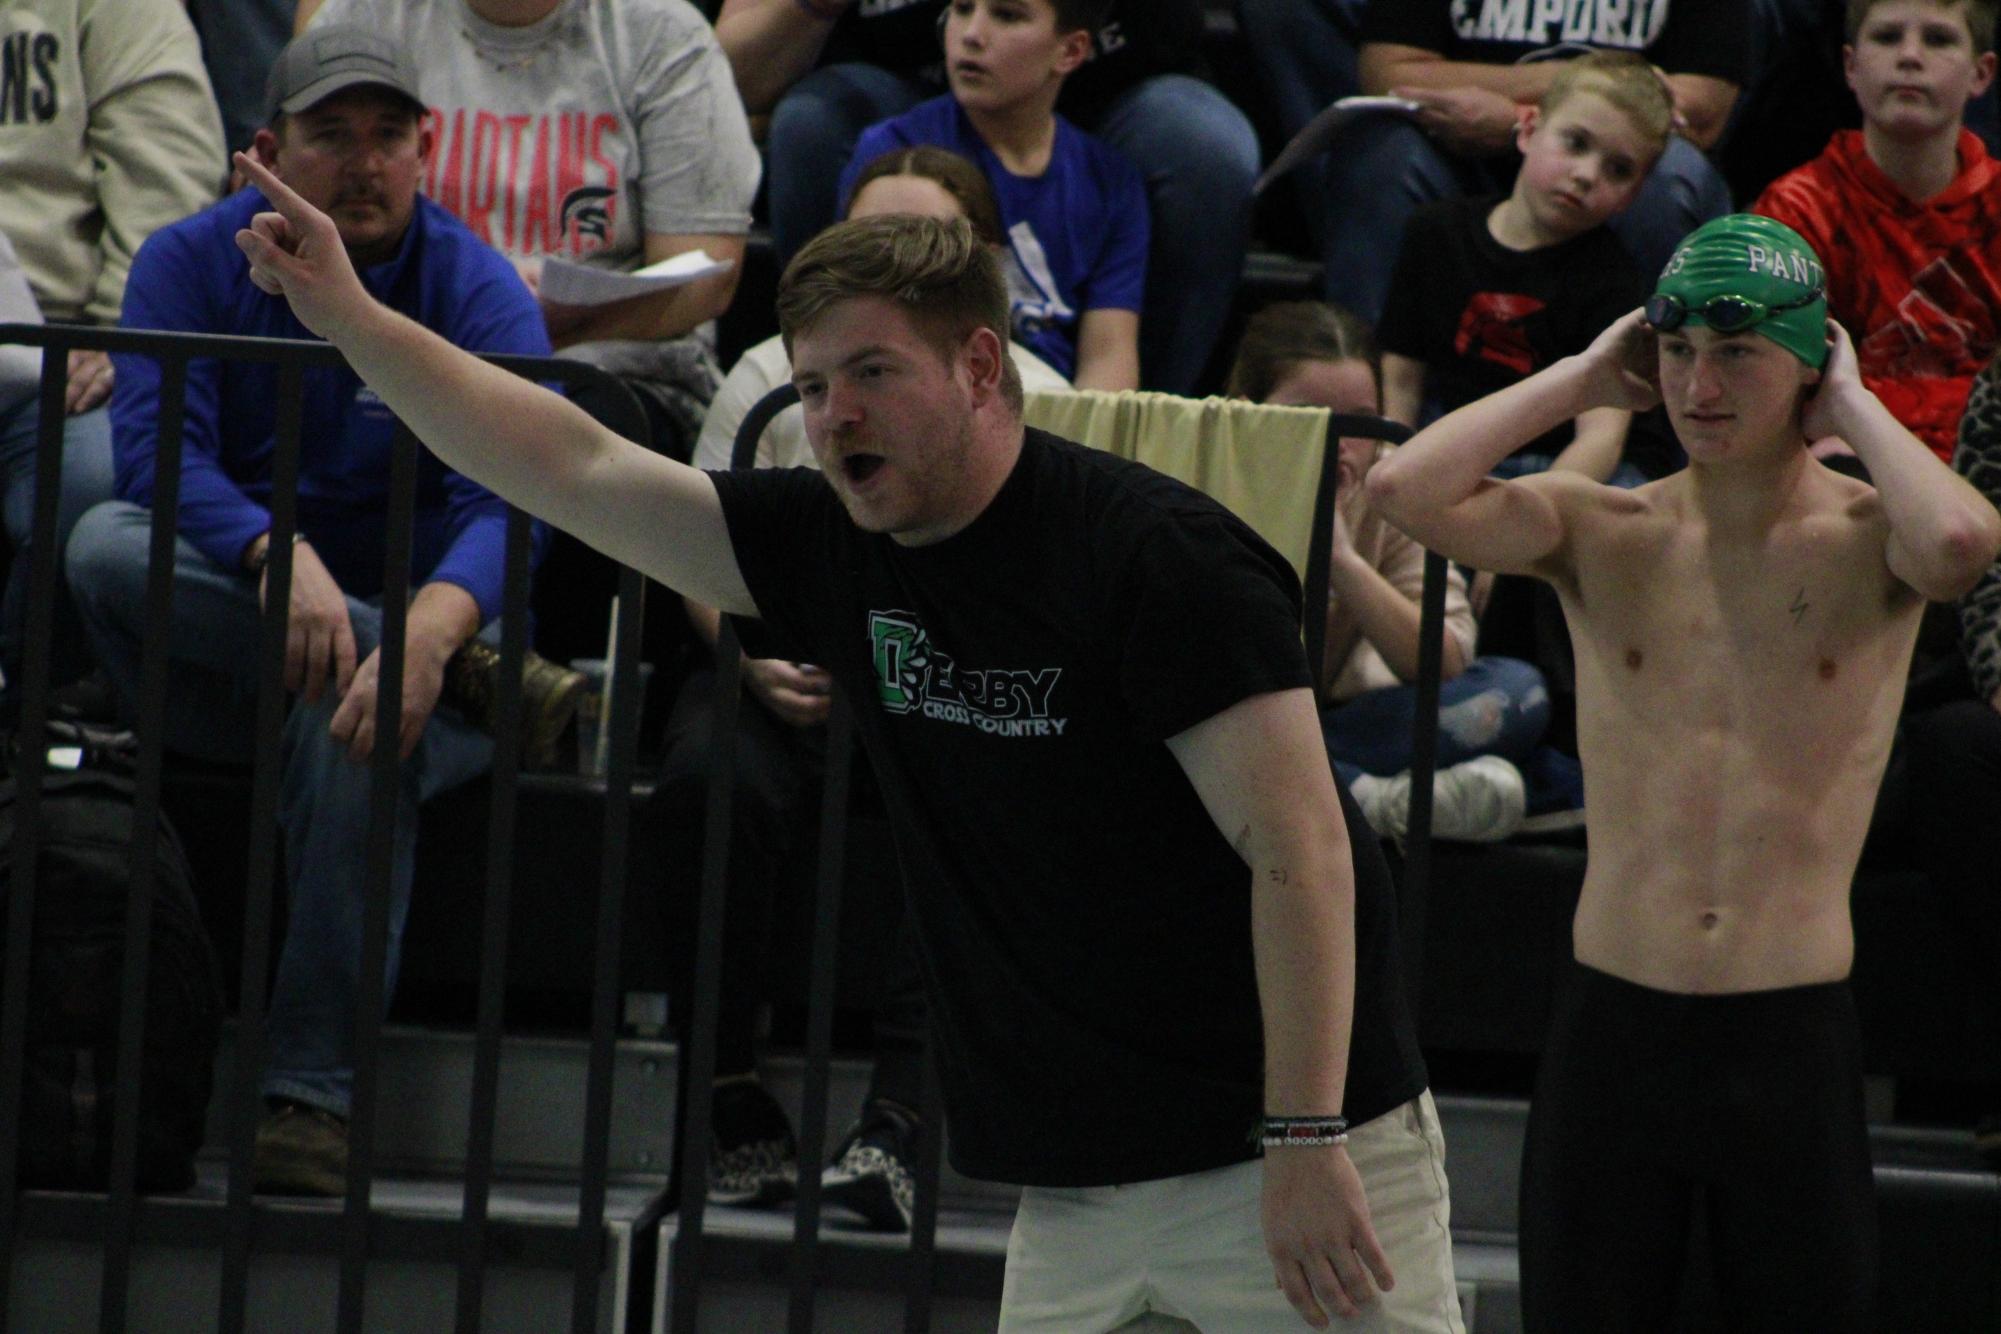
point(1196, 151)
point(1497, 706)
point(1382, 168)
point(323, 797)
point(87, 479)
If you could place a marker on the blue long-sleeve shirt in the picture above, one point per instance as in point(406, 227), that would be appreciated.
point(190, 277)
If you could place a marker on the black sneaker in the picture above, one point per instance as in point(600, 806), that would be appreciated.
point(753, 1158)
point(873, 1172)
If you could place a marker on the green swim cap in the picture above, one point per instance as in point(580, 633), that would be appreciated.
point(1768, 277)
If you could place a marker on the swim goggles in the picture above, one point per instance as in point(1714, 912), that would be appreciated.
point(1725, 314)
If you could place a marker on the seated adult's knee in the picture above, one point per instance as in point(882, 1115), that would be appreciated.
point(1183, 127)
point(1684, 191)
point(825, 111)
point(106, 556)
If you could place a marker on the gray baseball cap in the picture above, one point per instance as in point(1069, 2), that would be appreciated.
point(326, 59)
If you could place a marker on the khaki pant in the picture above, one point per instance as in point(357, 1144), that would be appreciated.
point(1085, 1261)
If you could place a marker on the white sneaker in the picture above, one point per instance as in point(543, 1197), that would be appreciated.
point(1482, 800)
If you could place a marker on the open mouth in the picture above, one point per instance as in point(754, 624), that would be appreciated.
point(966, 69)
point(858, 468)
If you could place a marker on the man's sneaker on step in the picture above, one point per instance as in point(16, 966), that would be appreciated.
point(753, 1158)
point(1481, 800)
point(549, 697)
point(874, 1169)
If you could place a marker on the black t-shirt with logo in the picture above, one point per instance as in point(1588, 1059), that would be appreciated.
point(1140, 39)
point(1481, 316)
point(1085, 927)
point(1710, 37)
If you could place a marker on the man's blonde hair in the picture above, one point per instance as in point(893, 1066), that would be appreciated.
point(942, 275)
point(1627, 81)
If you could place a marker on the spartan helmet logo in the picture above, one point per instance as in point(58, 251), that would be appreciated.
point(901, 653)
point(584, 209)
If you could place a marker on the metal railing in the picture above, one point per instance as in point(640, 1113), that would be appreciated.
point(361, 1234)
point(244, 1220)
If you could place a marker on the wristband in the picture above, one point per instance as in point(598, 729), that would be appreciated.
point(1302, 1132)
point(827, 11)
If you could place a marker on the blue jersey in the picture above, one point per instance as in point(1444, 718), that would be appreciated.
point(1076, 234)
point(191, 278)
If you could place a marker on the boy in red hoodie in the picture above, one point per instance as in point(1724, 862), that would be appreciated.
point(1906, 212)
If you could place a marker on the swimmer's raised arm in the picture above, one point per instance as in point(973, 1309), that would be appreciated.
point(1436, 487)
point(1943, 533)
point(529, 446)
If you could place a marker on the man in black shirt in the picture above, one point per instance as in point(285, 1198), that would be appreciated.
point(1149, 942)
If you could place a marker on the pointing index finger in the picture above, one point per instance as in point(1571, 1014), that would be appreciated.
point(282, 196)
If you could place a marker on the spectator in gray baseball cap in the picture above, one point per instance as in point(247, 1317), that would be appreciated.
point(347, 132)
point(345, 128)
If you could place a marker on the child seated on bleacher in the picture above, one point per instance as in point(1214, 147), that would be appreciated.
point(1487, 292)
point(1492, 711)
point(1905, 213)
point(1074, 209)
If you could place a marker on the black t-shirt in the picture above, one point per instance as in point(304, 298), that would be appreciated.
point(1710, 37)
point(1085, 927)
point(1142, 38)
point(1481, 316)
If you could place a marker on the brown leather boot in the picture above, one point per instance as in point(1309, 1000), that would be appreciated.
point(549, 697)
point(301, 1150)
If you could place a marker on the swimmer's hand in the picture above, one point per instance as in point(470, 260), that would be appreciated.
point(1322, 1246)
point(1823, 414)
point(297, 253)
point(1621, 368)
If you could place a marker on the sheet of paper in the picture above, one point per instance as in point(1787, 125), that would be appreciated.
point(1317, 133)
point(567, 283)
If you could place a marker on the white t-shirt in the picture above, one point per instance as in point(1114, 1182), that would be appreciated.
point(783, 445)
point(581, 133)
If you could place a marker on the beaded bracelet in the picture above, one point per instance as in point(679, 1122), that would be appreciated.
point(1302, 1132)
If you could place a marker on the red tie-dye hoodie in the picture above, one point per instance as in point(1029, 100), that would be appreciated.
point(1917, 285)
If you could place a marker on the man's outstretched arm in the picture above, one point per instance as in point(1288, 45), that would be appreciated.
point(1260, 767)
point(522, 442)
point(1436, 486)
point(1943, 533)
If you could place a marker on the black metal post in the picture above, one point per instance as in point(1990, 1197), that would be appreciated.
point(261, 878)
point(154, 664)
point(804, 1259)
point(385, 776)
point(41, 555)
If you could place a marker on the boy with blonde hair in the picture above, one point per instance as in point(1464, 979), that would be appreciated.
point(1906, 211)
point(1487, 292)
